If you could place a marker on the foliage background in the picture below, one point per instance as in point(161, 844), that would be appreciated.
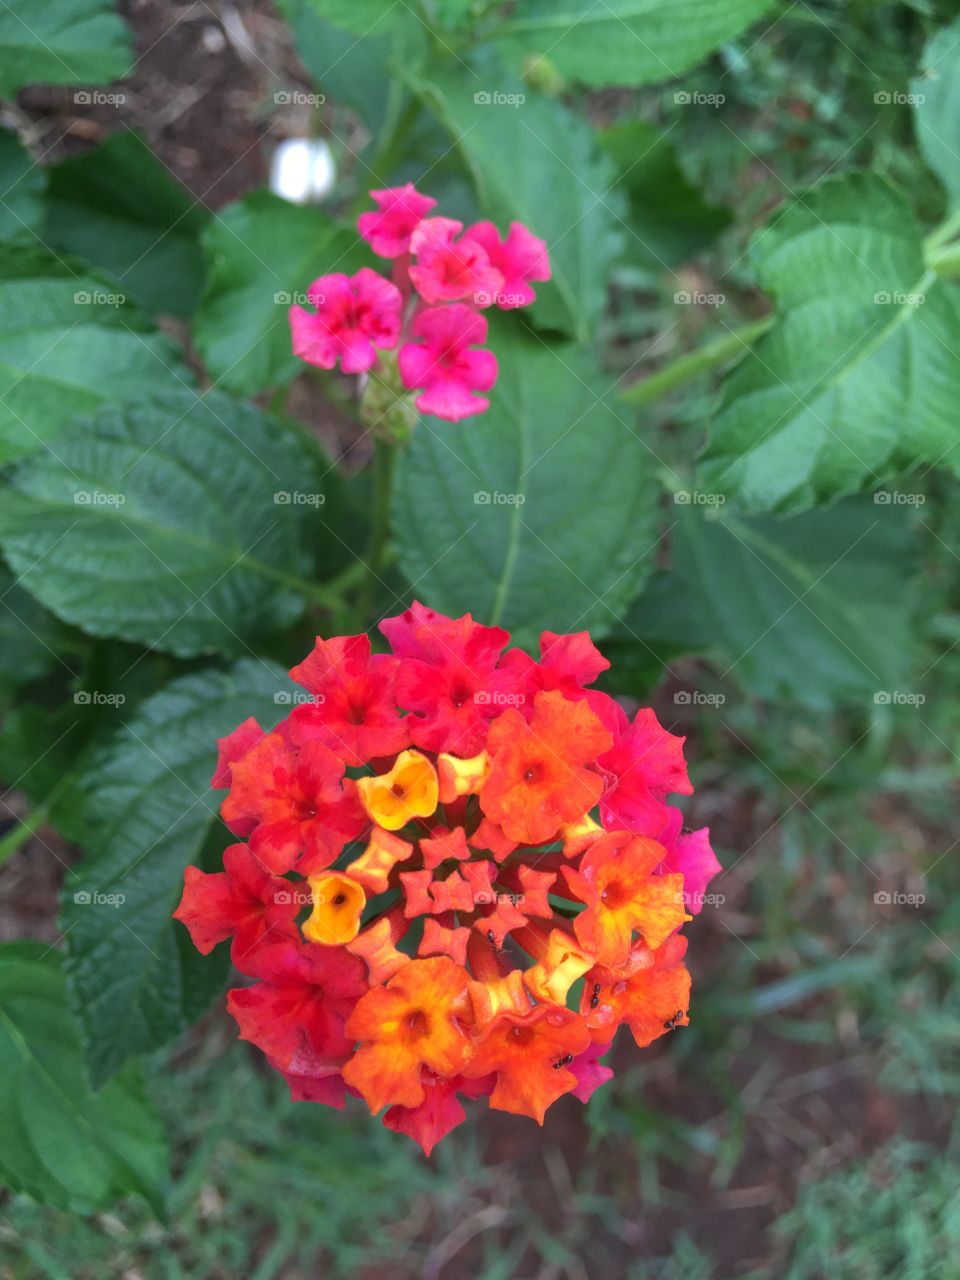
point(804, 632)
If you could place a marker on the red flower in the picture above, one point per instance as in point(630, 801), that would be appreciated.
point(447, 269)
point(538, 779)
point(531, 1057)
point(301, 1003)
point(441, 951)
point(644, 766)
point(447, 687)
point(399, 211)
point(520, 258)
point(242, 901)
point(303, 809)
point(355, 709)
point(447, 365)
point(354, 317)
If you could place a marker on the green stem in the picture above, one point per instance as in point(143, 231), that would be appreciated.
point(22, 832)
point(940, 235)
point(384, 466)
point(686, 367)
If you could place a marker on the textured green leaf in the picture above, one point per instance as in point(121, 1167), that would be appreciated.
point(366, 18)
point(118, 208)
point(356, 72)
point(537, 163)
point(938, 111)
point(135, 979)
point(814, 608)
point(67, 344)
point(59, 1142)
point(164, 523)
point(604, 42)
point(30, 637)
point(21, 188)
point(69, 42)
point(668, 221)
point(262, 254)
point(576, 548)
point(858, 380)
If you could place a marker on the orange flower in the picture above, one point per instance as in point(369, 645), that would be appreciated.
point(616, 880)
point(409, 790)
point(410, 1023)
point(537, 781)
point(377, 946)
point(530, 1054)
point(338, 903)
point(651, 993)
point(558, 968)
point(381, 855)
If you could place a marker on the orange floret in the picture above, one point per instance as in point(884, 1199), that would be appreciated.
point(409, 790)
point(338, 903)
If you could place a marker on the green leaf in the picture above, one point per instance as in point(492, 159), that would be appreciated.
point(356, 72)
point(118, 208)
point(601, 42)
point(537, 515)
point(262, 253)
point(135, 979)
point(858, 380)
point(938, 107)
point(668, 220)
point(67, 344)
point(70, 42)
point(537, 163)
point(21, 188)
point(30, 638)
point(815, 608)
point(169, 523)
point(366, 18)
point(59, 1142)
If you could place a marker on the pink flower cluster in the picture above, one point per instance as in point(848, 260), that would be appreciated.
point(443, 278)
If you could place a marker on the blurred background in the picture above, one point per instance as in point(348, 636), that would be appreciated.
point(803, 1125)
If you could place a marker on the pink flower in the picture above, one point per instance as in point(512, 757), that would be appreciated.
point(447, 269)
point(690, 853)
point(400, 209)
point(354, 316)
point(446, 364)
point(520, 258)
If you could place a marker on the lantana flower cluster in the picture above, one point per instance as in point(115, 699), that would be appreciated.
point(457, 874)
point(443, 278)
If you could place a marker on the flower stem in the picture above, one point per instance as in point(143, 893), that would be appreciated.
point(384, 466)
point(681, 370)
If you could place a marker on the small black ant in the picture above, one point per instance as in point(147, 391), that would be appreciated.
point(595, 998)
point(674, 1022)
point(562, 1062)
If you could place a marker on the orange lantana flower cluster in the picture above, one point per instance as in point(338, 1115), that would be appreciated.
point(457, 874)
